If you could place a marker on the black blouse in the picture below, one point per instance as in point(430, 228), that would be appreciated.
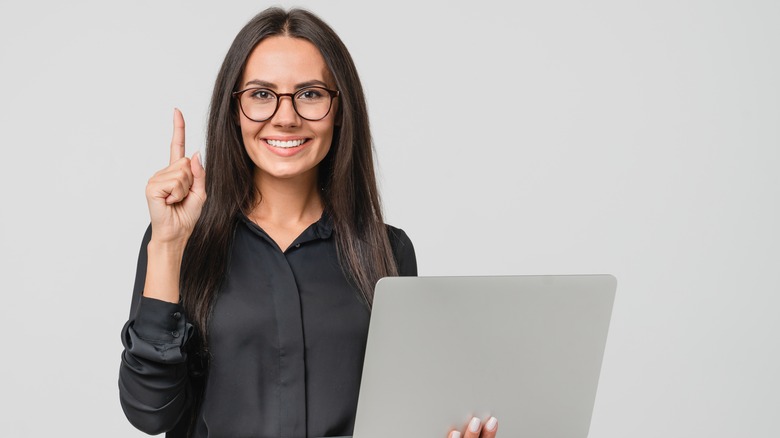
point(287, 338)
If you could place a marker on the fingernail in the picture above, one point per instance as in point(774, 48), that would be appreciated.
point(474, 424)
point(455, 434)
point(491, 424)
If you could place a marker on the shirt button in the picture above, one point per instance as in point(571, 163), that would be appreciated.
point(298, 245)
point(175, 333)
point(176, 315)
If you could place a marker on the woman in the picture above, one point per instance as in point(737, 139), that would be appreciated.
point(254, 285)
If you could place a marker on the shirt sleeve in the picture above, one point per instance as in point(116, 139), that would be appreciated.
point(403, 250)
point(153, 375)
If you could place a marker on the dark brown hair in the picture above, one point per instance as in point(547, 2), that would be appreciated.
point(346, 174)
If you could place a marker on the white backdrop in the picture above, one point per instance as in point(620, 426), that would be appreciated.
point(637, 138)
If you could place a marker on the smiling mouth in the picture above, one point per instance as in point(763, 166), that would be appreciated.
point(286, 144)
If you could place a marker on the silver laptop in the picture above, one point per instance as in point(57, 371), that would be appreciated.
point(525, 349)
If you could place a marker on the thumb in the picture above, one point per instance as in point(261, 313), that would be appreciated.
point(199, 175)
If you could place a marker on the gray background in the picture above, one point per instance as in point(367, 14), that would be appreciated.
point(634, 138)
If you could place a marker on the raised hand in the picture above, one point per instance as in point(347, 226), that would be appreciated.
point(176, 194)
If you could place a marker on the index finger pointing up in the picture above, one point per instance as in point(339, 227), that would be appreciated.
point(177, 143)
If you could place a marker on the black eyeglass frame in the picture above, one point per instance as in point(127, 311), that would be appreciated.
point(333, 94)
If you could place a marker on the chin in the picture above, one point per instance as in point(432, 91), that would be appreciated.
point(285, 173)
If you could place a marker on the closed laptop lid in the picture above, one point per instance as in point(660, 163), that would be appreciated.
point(525, 349)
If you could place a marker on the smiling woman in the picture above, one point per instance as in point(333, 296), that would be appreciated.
point(282, 142)
point(255, 278)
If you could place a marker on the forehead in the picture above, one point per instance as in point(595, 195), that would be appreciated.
point(285, 61)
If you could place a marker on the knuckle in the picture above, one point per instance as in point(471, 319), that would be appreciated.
point(181, 163)
point(152, 183)
point(183, 188)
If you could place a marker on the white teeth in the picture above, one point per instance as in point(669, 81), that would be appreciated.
point(285, 144)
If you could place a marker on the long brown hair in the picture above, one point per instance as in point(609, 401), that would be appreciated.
point(347, 177)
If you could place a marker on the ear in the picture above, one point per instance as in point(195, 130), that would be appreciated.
point(235, 115)
point(339, 115)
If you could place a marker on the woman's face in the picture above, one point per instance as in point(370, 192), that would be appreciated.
point(286, 145)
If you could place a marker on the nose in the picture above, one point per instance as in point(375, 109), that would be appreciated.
point(286, 114)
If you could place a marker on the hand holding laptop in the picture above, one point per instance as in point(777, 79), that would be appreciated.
point(476, 430)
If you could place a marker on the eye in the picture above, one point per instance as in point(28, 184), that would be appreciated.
point(311, 94)
point(262, 94)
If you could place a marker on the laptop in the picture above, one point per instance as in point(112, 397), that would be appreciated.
point(525, 349)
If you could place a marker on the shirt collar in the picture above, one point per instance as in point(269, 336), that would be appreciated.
point(324, 226)
point(322, 229)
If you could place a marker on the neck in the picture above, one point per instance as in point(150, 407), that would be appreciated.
point(287, 201)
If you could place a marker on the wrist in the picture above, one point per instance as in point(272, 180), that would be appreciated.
point(162, 270)
point(166, 248)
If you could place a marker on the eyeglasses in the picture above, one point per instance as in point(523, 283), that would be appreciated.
point(260, 104)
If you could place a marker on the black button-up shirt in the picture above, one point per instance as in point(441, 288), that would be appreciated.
point(286, 337)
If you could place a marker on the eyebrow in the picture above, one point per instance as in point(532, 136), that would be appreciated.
point(271, 85)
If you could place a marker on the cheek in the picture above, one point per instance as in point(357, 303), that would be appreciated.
point(249, 130)
point(327, 140)
point(250, 143)
point(329, 127)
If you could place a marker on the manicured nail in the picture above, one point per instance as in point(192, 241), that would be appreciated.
point(491, 424)
point(455, 434)
point(474, 424)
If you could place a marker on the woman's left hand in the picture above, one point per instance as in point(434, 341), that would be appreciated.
point(476, 429)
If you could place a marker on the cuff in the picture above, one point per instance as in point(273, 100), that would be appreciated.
point(159, 321)
point(158, 332)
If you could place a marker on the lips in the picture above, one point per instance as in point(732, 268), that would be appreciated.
point(285, 144)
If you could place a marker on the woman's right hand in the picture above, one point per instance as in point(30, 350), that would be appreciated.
point(176, 194)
